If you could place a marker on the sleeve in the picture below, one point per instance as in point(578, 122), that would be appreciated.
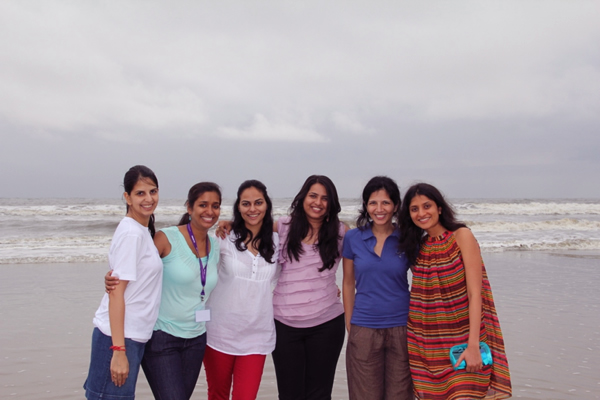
point(124, 257)
point(282, 229)
point(215, 249)
point(347, 251)
point(275, 259)
point(223, 250)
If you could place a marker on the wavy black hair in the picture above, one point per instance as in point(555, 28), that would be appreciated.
point(375, 184)
point(327, 241)
point(135, 174)
point(411, 235)
point(264, 239)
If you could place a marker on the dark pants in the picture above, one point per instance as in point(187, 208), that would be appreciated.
point(172, 365)
point(305, 359)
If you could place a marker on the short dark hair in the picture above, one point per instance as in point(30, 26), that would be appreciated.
point(375, 184)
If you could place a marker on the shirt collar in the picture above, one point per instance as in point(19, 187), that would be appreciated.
point(367, 232)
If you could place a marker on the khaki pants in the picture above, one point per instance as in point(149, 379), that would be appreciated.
point(377, 364)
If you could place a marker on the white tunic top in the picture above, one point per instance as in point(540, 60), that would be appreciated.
point(134, 258)
point(242, 302)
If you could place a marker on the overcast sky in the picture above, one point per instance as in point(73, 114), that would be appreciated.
point(481, 98)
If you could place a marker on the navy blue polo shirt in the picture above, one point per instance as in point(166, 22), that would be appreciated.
point(382, 294)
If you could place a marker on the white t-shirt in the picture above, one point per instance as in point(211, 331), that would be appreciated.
point(134, 258)
point(242, 302)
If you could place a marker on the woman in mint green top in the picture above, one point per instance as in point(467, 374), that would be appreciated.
point(175, 352)
point(182, 285)
point(173, 355)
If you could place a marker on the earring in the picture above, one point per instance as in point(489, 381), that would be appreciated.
point(190, 217)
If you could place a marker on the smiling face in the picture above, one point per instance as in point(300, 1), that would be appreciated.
point(426, 215)
point(252, 207)
point(381, 208)
point(142, 200)
point(315, 203)
point(205, 210)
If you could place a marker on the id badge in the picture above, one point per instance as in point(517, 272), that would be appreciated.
point(202, 315)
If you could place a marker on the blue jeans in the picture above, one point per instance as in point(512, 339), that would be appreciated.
point(98, 384)
point(172, 365)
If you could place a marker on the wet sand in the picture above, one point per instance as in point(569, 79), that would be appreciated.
point(548, 304)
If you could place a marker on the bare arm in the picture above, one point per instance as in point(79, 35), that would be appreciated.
point(119, 365)
point(162, 244)
point(348, 290)
point(471, 256)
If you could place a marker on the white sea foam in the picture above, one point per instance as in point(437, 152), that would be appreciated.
point(528, 208)
point(532, 245)
point(80, 230)
point(564, 224)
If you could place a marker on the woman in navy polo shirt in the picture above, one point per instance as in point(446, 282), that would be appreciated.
point(376, 298)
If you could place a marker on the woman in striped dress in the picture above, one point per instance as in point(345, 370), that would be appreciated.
point(451, 303)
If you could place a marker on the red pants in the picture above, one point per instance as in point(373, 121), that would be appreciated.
point(221, 369)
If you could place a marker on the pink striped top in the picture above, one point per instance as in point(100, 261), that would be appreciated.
point(305, 297)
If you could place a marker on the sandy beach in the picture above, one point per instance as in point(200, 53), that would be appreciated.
point(548, 304)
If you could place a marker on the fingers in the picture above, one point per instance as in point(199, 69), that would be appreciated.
point(119, 379)
point(460, 359)
point(476, 367)
point(219, 232)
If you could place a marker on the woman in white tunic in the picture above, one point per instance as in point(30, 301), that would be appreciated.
point(241, 331)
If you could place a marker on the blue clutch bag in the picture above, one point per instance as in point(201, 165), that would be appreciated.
point(456, 351)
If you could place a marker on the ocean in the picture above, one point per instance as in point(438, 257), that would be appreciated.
point(542, 258)
point(79, 230)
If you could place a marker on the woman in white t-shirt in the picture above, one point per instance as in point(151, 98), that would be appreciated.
point(126, 317)
point(241, 331)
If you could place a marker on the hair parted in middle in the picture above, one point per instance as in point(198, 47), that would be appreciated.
point(375, 184)
point(194, 193)
point(411, 235)
point(264, 239)
point(327, 242)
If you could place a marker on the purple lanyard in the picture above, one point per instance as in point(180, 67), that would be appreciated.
point(202, 267)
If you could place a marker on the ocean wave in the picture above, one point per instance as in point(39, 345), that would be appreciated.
point(349, 211)
point(559, 224)
point(53, 259)
point(95, 249)
point(531, 245)
point(529, 208)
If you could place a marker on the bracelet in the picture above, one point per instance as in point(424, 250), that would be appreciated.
point(117, 348)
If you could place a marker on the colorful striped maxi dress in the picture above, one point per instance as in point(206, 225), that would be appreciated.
point(439, 319)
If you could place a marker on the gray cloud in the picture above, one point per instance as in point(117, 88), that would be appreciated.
point(483, 99)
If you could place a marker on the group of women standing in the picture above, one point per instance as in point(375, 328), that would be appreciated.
point(217, 303)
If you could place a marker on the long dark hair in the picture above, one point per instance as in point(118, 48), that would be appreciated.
point(327, 241)
point(411, 235)
point(375, 184)
point(264, 239)
point(135, 174)
point(194, 193)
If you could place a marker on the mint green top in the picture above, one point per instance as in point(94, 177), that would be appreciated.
point(181, 286)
